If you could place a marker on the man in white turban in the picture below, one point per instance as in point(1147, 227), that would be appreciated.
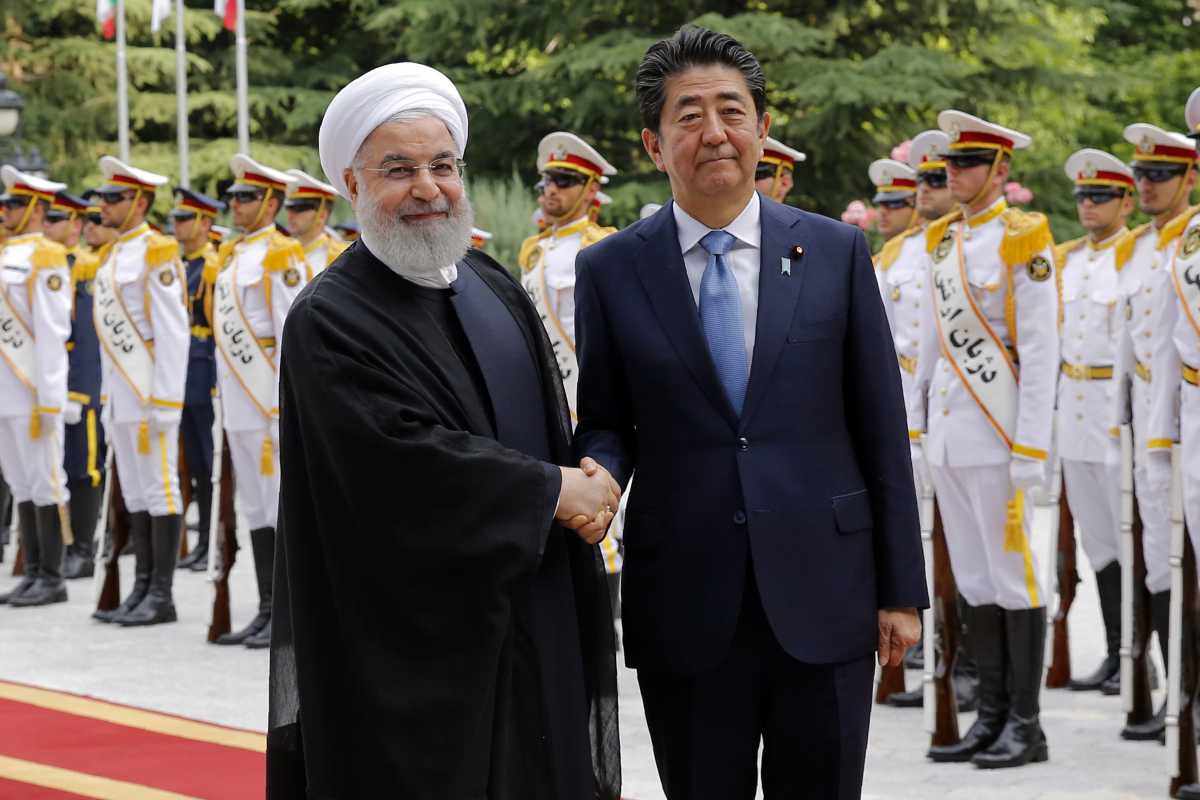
point(441, 625)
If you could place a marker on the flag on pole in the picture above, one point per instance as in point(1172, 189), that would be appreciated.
point(159, 10)
point(227, 10)
point(106, 15)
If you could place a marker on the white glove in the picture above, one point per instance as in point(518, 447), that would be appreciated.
point(106, 422)
point(1158, 471)
point(163, 419)
point(72, 413)
point(1026, 473)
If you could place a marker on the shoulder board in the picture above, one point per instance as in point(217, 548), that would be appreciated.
point(160, 250)
point(1171, 231)
point(1140, 230)
point(937, 229)
point(281, 252)
point(48, 254)
point(526, 252)
point(1061, 251)
point(892, 247)
point(594, 233)
point(1026, 234)
point(1123, 249)
point(85, 266)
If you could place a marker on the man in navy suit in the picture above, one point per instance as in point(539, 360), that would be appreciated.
point(735, 353)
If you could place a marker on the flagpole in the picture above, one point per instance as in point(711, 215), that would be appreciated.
point(122, 86)
point(181, 95)
point(243, 103)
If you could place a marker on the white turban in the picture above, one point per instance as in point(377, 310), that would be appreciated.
point(371, 99)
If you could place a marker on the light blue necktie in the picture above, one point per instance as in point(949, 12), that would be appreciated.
point(721, 318)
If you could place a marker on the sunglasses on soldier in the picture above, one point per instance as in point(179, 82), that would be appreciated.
point(764, 171)
point(967, 161)
point(94, 218)
point(114, 197)
point(16, 201)
point(300, 206)
point(564, 180)
point(895, 204)
point(934, 180)
point(244, 196)
point(1098, 197)
point(183, 216)
point(1159, 174)
point(53, 217)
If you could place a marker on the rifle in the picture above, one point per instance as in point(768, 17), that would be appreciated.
point(1135, 599)
point(222, 537)
point(928, 509)
point(112, 526)
point(945, 594)
point(1181, 654)
point(1059, 674)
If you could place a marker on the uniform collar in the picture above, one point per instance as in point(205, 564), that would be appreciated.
point(570, 229)
point(315, 243)
point(745, 226)
point(990, 213)
point(261, 233)
point(129, 236)
point(1107, 243)
point(201, 251)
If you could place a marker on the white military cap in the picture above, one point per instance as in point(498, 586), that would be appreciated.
point(22, 183)
point(252, 175)
point(779, 154)
point(1092, 167)
point(302, 186)
point(479, 237)
point(894, 180)
point(925, 151)
point(562, 150)
point(970, 135)
point(1154, 146)
point(118, 176)
point(1192, 113)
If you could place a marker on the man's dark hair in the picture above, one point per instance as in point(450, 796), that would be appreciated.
point(693, 46)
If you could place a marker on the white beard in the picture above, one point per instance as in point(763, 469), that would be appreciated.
point(424, 253)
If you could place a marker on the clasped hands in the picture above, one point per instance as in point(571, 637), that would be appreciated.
point(588, 500)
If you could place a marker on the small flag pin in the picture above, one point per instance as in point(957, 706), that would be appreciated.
point(785, 266)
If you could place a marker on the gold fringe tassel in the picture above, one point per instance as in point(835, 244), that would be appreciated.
point(1014, 524)
point(144, 437)
point(1027, 234)
point(35, 425)
point(267, 467)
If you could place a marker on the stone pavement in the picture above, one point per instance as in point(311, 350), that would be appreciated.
point(171, 668)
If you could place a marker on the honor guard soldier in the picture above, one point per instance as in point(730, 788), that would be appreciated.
point(572, 172)
point(480, 238)
point(141, 317)
point(994, 305)
point(96, 235)
point(308, 204)
point(35, 313)
point(1092, 319)
point(193, 217)
point(261, 272)
point(896, 198)
point(1164, 171)
point(84, 448)
point(774, 173)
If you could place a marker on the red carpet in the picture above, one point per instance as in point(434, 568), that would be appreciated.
point(59, 745)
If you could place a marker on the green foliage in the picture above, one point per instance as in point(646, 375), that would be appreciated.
point(846, 81)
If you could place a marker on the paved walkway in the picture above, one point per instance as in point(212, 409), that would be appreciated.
point(171, 668)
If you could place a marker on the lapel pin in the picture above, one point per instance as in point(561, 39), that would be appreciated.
point(785, 267)
point(797, 251)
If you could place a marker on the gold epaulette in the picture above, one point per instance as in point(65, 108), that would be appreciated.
point(937, 229)
point(1140, 230)
point(892, 247)
point(48, 254)
point(527, 248)
point(282, 252)
point(594, 233)
point(1171, 231)
point(1123, 249)
point(1061, 251)
point(161, 250)
point(85, 266)
point(335, 248)
point(1026, 234)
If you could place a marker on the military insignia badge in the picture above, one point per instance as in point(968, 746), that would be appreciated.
point(943, 247)
point(291, 277)
point(166, 277)
point(54, 283)
point(1191, 242)
point(1040, 269)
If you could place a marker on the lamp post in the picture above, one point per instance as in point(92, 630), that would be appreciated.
point(26, 159)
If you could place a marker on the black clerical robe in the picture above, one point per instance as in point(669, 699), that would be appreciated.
point(436, 635)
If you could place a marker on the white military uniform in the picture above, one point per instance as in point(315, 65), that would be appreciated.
point(903, 266)
point(35, 322)
point(323, 250)
point(265, 271)
point(894, 180)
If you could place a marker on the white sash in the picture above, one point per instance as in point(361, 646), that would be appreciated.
point(244, 355)
point(1185, 274)
point(968, 342)
point(16, 342)
point(564, 349)
point(119, 335)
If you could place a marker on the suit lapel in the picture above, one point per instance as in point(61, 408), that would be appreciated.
point(777, 295)
point(661, 271)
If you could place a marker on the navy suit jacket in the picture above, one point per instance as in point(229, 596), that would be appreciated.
point(813, 483)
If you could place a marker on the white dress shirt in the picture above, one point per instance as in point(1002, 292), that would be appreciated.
point(744, 260)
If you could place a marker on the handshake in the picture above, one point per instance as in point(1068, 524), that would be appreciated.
point(588, 500)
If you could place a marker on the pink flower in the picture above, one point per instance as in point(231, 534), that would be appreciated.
point(858, 214)
point(1017, 194)
point(900, 152)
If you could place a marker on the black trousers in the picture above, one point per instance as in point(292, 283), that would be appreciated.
point(812, 720)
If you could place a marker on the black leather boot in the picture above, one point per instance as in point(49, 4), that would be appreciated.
point(49, 587)
point(27, 529)
point(1108, 586)
point(262, 639)
point(984, 632)
point(139, 543)
point(914, 658)
point(85, 510)
point(1160, 616)
point(197, 559)
point(158, 605)
point(262, 542)
point(1022, 740)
